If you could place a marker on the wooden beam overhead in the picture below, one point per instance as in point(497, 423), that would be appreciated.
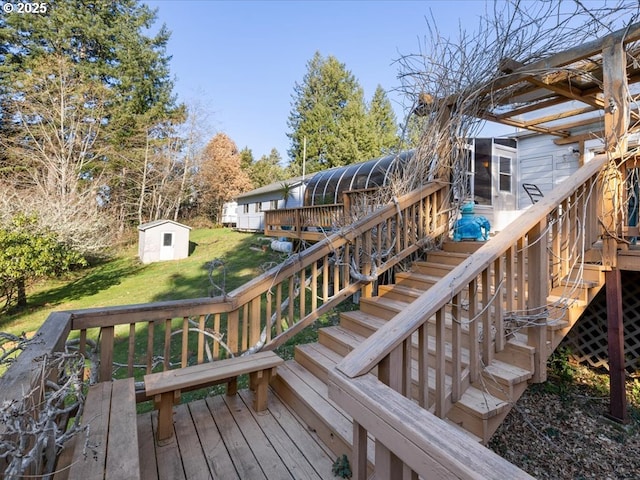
point(624, 35)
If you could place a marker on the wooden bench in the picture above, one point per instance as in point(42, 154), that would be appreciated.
point(165, 387)
point(110, 450)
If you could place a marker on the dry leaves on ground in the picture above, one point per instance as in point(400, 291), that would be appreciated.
point(558, 430)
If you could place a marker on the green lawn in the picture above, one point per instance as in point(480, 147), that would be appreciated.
point(125, 280)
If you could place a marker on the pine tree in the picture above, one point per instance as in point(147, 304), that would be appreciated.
point(329, 116)
point(383, 123)
point(104, 44)
point(267, 170)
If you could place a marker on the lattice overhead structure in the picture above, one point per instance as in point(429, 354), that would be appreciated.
point(587, 340)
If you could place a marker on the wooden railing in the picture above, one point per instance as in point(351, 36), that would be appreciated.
point(133, 340)
point(318, 221)
point(296, 222)
point(501, 288)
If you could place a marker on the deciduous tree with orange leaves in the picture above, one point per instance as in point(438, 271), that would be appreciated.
point(221, 177)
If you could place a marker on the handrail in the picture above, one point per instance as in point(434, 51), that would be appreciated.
point(268, 310)
point(429, 446)
point(379, 345)
point(509, 276)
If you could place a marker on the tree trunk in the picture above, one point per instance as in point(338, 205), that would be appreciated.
point(22, 293)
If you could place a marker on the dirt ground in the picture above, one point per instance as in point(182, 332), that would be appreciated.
point(559, 430)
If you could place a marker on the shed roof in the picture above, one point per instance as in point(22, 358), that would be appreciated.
point(155, 223)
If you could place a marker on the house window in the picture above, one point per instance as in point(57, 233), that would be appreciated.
point(505, 174)
point(273, 205)
point(258, 206)
point(167, 239)
point(245, 208)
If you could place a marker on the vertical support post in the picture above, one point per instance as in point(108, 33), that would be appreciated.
point(615, 87)
point(359, 455)
point(615, 337)
point(537, 289)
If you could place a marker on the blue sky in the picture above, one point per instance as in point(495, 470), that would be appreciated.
point(241, 59)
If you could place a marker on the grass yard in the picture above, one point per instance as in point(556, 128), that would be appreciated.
point(125, 280)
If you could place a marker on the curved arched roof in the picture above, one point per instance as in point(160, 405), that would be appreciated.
point(327, 187)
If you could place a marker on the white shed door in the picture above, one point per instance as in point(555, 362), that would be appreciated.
point(166, 248)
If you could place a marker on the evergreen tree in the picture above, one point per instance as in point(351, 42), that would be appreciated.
point(103, 43)
point(246, 160)
point(267, 170)
point(329, 115)
point(383, 123)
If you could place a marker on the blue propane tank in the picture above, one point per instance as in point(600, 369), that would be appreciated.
point(470, 227)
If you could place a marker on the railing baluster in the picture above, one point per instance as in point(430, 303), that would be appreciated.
point(303, 293)
point(185, 342)
point(440, 363)
point(269, 314)
point(510, 273)
point(564, 240)
point(520, 264)
point(255, 321)
point(233, 324)
point(216, 331)
point(314, 286)
point(279, 309)
point(167, 344)
point(359, 453)
point(474, 354)
point(498, 275)
point(456, 348)
point(201, 338)
point(423, 365)
point(150, 335)
point(325, 278)
point(132, 349)
point(290, 319)
point(244, 333)
point(106, 353)
point(487, 355)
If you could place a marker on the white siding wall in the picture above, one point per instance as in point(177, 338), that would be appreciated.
point(544, 164)
point(253, 220)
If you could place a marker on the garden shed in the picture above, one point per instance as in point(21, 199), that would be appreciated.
point(162, 240)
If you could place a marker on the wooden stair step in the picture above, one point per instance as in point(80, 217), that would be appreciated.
point(507, 373)
point(339, 339)
point(383, 307)
point(416, 280)
point(517, 352)
point(317, 358)
point(467, 247)
point(450, 258)
point(309, 398)
point(400, 292)
point(432, 268)
point(481, 404)
point(360, 322)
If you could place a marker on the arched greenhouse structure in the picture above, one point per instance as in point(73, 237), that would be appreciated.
point(327, 187)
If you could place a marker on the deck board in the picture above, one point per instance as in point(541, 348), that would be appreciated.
point(223, 438)
point(290, 442)
point(213, 447)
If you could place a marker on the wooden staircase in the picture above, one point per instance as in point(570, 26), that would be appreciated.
point(482, 405)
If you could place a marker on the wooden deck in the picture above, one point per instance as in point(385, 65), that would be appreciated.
point(222, 437)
